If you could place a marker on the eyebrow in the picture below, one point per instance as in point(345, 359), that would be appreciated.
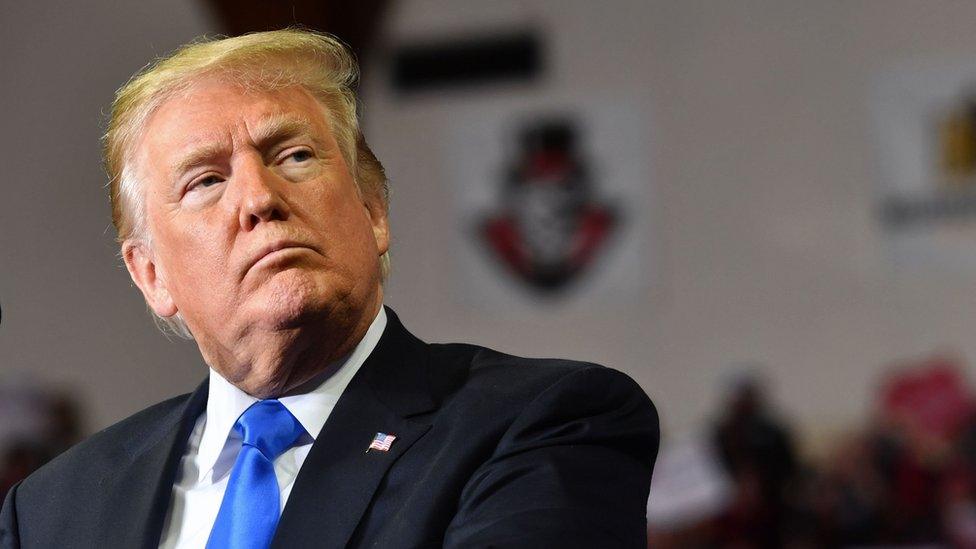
point(280, 127)
point(274, 129)
point(197, 156)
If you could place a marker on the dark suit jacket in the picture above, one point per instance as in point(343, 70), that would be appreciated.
point(492, 450)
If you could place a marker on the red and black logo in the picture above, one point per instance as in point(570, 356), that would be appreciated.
point(549, 225)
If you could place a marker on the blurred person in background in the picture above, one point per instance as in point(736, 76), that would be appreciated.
point(56, 428)
point(908, 478)
point(253, 218)
point(757, 450)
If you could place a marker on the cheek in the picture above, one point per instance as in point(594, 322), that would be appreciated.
point(192, 258)
point(342, 217)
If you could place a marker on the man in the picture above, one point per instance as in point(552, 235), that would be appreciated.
point(252, 216)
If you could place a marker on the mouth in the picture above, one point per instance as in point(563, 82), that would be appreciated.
point(270, 252)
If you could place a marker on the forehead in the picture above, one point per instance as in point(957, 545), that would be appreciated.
point(212, 111)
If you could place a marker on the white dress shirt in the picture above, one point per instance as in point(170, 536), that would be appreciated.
point(213, 444)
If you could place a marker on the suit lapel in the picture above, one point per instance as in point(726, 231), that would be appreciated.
point(138, 497)
point(338, 479)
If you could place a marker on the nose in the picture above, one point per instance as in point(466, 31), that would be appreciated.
point(260, 197)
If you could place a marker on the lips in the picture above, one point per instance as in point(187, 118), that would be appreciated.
point(268, 249)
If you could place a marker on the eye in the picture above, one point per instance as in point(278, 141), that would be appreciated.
point(298, 163)
point(204, 182)
point(300, 155)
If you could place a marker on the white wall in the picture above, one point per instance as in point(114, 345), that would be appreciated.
point(762, 165)
point(70, 314)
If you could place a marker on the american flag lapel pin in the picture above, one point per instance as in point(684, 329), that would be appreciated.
point(381, 442)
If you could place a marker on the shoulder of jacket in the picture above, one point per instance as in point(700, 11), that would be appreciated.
point(472, 369)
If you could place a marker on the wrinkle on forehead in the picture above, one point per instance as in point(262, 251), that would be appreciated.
point(273, 121)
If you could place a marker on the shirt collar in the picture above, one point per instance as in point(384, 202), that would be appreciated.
point(311, 404)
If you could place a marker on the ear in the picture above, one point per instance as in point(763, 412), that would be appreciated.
point(376, 209)
point(142, 268)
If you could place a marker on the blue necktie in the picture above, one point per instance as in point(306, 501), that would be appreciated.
point(251, 507)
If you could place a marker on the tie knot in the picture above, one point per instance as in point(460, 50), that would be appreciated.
point(269, 426)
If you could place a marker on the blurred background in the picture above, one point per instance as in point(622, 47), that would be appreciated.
point(762, 211)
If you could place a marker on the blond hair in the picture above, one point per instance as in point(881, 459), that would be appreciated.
point(319, 62)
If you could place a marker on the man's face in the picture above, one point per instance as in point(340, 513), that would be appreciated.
point(257, 227)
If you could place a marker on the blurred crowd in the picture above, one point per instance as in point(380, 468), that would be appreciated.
point(36, 424)
point(906, 479)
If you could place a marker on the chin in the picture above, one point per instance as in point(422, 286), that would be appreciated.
point(293, 299)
